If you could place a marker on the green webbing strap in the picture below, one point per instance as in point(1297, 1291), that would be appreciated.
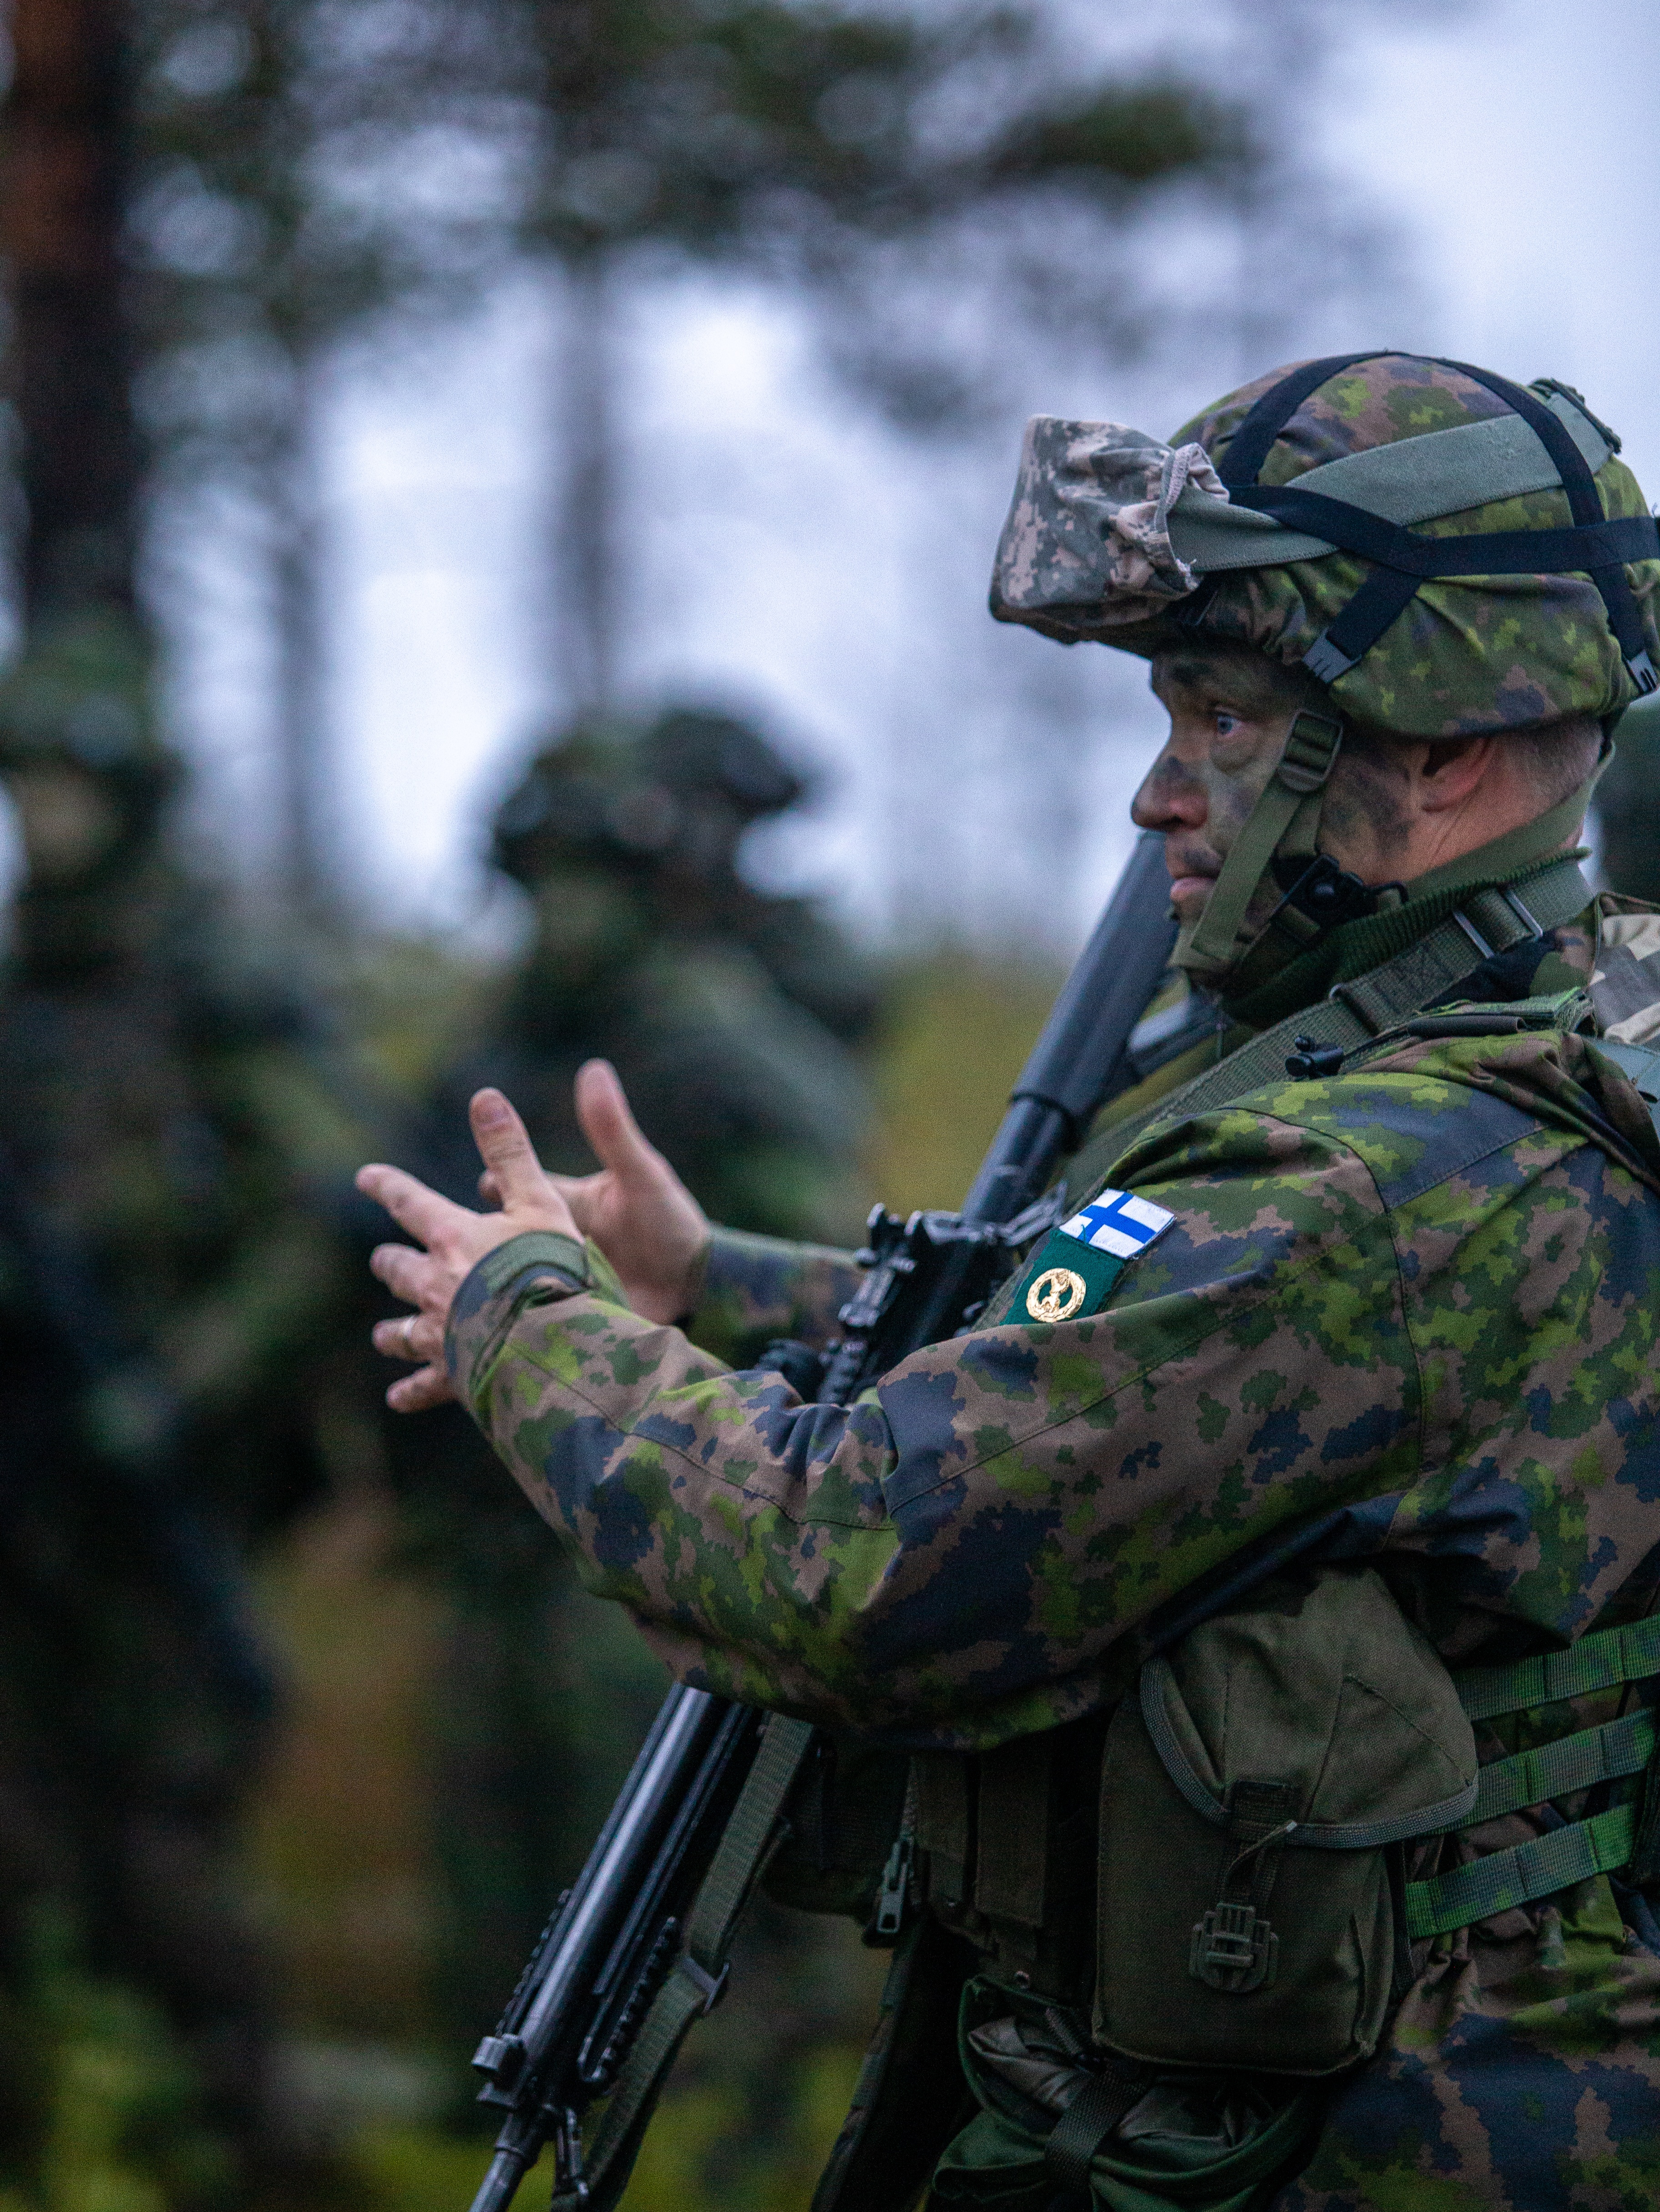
point(1600, 1661)
point(1295, 789)
point(696, 1977)
point(1606, 1660)
point(1505, 1880)
point(1557, 1770)
point(1391, 993)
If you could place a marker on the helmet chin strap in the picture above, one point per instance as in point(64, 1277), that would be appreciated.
point(1284, 825)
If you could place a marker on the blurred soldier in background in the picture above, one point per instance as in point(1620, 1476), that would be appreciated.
point(1628, 807)
point(173, 1142)
point(730, 1014)
point(731, 1009)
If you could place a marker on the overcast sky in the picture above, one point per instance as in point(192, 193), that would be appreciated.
point(788, 555)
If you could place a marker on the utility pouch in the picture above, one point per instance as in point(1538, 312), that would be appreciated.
point(1250, 1911)
point(840, 1822)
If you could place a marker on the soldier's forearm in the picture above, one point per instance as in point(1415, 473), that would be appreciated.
point(962, 1555)
point(753, 1288)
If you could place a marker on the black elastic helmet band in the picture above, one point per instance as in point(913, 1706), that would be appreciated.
point(1252, 442)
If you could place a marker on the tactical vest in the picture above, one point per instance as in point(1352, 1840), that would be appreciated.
point(1119, 1919)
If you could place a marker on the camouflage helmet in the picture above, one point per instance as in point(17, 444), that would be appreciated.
point(699, 753)
point(1447, 552)
point(584, 797)
point(80, 696)
point(1282, 517)
point(679, 791)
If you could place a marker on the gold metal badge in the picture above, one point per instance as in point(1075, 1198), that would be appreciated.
point(1056, 1295)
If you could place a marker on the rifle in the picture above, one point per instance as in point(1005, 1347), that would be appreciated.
point(592, 1997)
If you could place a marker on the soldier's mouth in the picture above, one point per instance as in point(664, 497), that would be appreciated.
point(1191, 886)
point(1190, 880)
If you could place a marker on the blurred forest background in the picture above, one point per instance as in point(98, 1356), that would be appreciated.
point(499, 502)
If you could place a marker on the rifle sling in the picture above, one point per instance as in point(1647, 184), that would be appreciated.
point(1486, 920)
point(698, 1975)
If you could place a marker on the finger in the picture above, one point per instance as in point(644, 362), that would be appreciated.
point(414, 1394)
point(416, 1337)
point(411, 1204)
point(608, 1123)
point(489, 1190)
point(415, 1277)
point(504, 1144)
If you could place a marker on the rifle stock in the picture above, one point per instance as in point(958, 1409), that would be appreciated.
point(615, 1934)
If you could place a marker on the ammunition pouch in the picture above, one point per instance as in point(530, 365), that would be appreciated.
point(840, 1820)
point(1249, 1913)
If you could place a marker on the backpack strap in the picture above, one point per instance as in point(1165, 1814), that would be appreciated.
point(1488, 921)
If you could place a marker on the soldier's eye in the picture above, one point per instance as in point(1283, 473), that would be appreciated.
point(1226, 724)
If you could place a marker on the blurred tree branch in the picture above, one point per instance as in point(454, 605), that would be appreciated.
point(840, 151)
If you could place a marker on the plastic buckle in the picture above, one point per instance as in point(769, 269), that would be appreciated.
point(1312, 744)
point(1326, 661)
point(710, 1987)
point(1643, 673)
point(1310, 1061)
point(1233, 1950)
point(1523, 913)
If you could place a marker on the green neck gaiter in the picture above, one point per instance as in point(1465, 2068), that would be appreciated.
point(1357, 947)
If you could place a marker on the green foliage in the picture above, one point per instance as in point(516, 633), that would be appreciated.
point(125, 2130)
point(712, 127)
point(301, 164)
point(938, 1105)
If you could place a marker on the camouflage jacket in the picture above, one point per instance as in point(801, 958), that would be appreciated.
point(1409, 1308)
point(1406, 1312)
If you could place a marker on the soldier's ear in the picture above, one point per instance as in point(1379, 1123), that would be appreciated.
point(1445, 771)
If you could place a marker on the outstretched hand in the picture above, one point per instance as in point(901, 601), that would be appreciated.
point(456, 1240)
point(636, 1209)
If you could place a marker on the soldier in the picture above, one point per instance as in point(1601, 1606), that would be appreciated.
point(173, 1168)
point(729, 1013)
point(725, 1009)
point(1266, 1585)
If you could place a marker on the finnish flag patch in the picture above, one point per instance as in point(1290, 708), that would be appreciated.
point(1077, 1264)
point(1118, 1222)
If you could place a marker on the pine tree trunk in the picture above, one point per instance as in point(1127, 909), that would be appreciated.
point(304, 768)
point(585, 551)
point(62, 193)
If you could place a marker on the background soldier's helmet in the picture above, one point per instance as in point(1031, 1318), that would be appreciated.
point(678, 792)
point(1319, 513)
point(81, 693)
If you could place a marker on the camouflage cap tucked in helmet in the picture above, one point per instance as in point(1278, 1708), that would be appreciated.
point(1115, 537)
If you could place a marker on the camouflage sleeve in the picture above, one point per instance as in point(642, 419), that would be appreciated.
point(754, 1288)
point(956, 1558)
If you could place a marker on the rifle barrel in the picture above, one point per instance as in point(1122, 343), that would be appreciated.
point(1080, 1059)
